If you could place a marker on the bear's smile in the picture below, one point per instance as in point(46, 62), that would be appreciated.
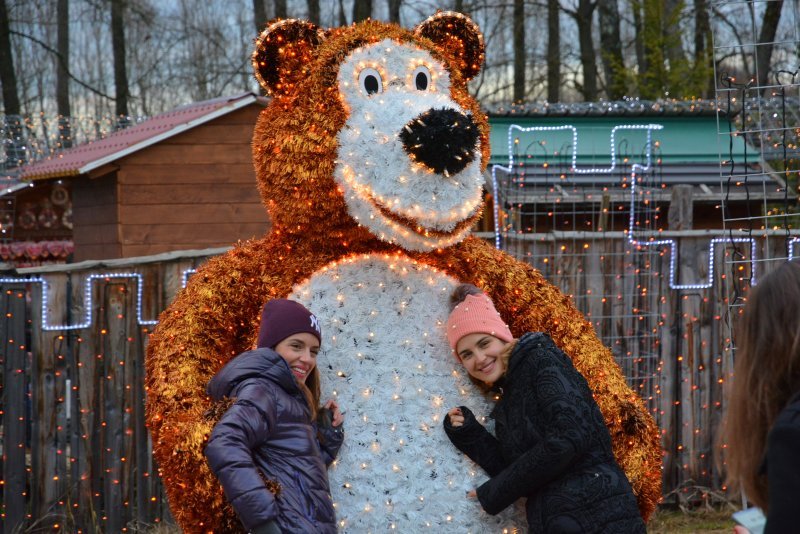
point(420, 230)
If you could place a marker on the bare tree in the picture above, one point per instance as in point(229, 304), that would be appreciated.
point(313, 11)
point(8, 77)
point(553, 51)
point(766, 38)
point(281, 10)
point(62, 74)
point(259, 15)
point(611, 49)
point(394, 10)
point(362, 10)
point(122, 90)
point(342, 16)
point(519, 50)
point(583, 15)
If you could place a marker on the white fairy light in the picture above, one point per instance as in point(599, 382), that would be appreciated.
point(636, 169)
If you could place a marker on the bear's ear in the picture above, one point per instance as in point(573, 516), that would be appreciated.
point(283, 54)
point(456, 35)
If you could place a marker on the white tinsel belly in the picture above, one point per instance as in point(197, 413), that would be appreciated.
point(386, 360)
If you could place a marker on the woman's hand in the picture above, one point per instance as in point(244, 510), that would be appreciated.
point(456, 417)
point(337, 415)
point(472, 494)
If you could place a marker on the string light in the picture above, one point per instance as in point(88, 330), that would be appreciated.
point(88, 291)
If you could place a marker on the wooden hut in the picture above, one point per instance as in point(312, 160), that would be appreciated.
point(570, 166)
point(177, 181)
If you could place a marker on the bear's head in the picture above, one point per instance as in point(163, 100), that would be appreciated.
point(371, 133)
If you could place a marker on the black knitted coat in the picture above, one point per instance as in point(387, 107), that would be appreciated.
point(782, 467)
point(552, 446)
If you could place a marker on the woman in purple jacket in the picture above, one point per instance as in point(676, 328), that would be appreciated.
point(271, 448)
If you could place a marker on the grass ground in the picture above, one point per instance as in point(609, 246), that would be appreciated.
point(703, 520)
point(664, 521)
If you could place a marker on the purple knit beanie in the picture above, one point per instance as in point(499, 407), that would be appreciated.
point(282, 318)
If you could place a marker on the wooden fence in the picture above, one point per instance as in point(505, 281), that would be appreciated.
point(76, 453)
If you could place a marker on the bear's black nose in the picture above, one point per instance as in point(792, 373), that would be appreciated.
point(443, 140)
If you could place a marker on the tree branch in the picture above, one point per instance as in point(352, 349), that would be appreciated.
point(62, 62)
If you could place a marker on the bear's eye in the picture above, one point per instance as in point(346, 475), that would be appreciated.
point(421, 78)
point(370, 81)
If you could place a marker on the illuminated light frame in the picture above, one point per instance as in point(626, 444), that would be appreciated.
point(790, 252)
point(88, 292)
point(636, 167)
point(186, 274)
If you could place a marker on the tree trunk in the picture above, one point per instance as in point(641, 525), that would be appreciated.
point(638, 26)
point(671, 33)
point(394, 10)
point(703, 53)
point(766, 37)
point(611, 49)
point(259, 15)
point(62, 75)
point(342, 16)
point(583, 17)
point(120, 69)
point(362, 10)
point(8, 75)
point(519, 50)
point(281, 11)
point(313, 11)
point(553, 51)
point(458, 6)
point(13, 127)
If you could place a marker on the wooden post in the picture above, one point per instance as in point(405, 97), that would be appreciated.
point(15, 416)
point(681, 208)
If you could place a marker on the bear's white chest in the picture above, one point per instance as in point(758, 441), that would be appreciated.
point(385, 359)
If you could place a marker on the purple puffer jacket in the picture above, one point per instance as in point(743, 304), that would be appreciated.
point(269, 429)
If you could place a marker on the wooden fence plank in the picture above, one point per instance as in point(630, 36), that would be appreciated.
point(14, 416)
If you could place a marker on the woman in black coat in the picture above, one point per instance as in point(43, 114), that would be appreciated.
point(552, 445)
point(761, 436)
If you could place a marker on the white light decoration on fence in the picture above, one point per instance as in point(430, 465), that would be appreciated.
point(88, 294)
point(186, 274)
point(792, 241)
point(636, 168)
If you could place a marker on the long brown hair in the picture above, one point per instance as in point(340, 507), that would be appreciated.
point(312, 391)
point(766, 375)
point(459, 294)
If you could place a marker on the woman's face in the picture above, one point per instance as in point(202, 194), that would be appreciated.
point(300, 352)
point(480, 355)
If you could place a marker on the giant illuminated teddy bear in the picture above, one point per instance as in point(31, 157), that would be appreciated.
point(369, 159)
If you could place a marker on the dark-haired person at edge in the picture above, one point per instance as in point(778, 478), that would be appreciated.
point(762, 425)
point(551, 445)
point(271, 447)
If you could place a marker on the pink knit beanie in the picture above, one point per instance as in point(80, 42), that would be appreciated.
point(476, 314)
